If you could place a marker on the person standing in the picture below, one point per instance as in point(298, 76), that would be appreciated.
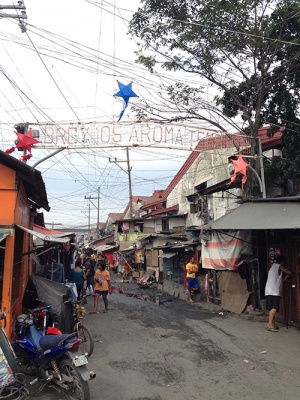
point(273, 290)
point(89, 272)
point(78, 276)
point(102, 286)
point(192, 282)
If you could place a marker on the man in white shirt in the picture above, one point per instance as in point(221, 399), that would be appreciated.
point(273, 290)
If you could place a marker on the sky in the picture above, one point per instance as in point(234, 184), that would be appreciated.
point(64, 69)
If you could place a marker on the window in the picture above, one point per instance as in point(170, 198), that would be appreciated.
point(165, 224)
point(194, 208)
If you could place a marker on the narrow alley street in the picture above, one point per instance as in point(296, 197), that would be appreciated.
point(178, 350)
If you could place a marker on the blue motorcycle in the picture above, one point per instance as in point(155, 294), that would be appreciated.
point(55, 359)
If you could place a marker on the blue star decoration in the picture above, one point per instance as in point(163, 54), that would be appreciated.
point(125, 92)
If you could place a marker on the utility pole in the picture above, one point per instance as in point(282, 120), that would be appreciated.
point(21, 17)
point(98, 210)
point(89, 219)
point(98, 214)
point(129, 181)
point(115, 161)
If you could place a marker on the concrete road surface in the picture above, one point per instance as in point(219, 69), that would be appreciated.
point(178, 351)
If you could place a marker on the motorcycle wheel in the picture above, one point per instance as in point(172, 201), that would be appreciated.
point(87, 341)
point(78, 388)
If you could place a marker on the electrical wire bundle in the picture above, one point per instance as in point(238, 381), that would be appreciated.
point(17, 390)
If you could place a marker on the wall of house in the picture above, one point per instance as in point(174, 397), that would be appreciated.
point(202, 167)
point(158, 224)
point(177, 224)
point(149, 226)
point(211, 167)
point(221, 203)
point(16, 267)
point(8, 195)
point(125, 240)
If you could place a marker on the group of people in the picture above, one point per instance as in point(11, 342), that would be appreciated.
point(98, 283)
point(276, 275)
point(90, 273)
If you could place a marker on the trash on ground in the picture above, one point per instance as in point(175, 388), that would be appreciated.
point(148, 280)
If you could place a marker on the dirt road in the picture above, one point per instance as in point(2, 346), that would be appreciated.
point(178, 351)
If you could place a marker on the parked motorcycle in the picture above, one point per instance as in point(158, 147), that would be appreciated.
point(55, 358)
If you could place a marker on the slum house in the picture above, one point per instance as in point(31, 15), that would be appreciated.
point(109, 247)
point(93, 244)
point(255, 232)
point(182, 210)
point(104, 247)
point(150, 246)
point(110, 222)
point(22, 193)
point(170, 224)
point(194, 193)
point(249, 247)
point(53, 263)
point(129, 229)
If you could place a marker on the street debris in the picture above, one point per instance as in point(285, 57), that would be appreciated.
point(148, 280)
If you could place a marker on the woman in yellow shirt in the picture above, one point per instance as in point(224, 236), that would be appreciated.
point(102, 286)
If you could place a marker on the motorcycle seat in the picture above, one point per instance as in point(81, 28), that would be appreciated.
point(49, 341)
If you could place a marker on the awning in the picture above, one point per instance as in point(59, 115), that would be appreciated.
point(47, 238)
point(260, 215)
point(4, 233)
point(167, 255)
point(50, 232)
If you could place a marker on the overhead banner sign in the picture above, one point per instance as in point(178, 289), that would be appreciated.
point(132, 134)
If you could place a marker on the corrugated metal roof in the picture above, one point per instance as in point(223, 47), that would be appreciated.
point(105, 247)
point(165, 210)
point(260, 215)
point(167, 255)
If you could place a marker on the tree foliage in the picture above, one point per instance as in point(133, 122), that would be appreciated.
point(246, 52)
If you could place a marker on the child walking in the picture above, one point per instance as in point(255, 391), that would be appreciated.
point(102, 286)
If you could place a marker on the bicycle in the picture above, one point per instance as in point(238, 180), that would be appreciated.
point(83, 332)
